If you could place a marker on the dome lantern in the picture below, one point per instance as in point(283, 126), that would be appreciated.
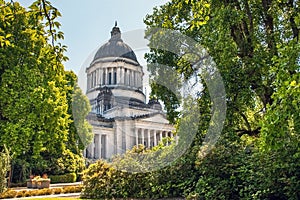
point(115, 33)
point(115, 47)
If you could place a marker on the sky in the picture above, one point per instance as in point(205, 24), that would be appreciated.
point(87, 25)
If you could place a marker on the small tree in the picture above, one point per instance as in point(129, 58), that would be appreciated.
point(5, 160)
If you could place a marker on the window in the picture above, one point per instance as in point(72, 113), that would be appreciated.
point(109, 78)
point(115, 78)
point(125, 77)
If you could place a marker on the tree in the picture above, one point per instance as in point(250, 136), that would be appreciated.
point(80, 131)
point(33, 102)
point(35, 105)
point(254, 44)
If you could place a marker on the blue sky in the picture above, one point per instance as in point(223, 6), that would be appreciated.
point(87, 24)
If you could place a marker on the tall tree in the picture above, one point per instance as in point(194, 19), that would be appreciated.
point(35, 117)
point(255, 45)
point(80, 131)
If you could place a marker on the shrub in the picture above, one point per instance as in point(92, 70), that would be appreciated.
point(72, 189)
point(27, 193)
point(45, 191)
point(57, 190)
point(66, 178)
point(232, 171)
point(8, 194)
point(103, 180)
point(21, 193)
point(69, 163)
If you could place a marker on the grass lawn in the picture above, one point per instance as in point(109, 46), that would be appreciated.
point(56, 198)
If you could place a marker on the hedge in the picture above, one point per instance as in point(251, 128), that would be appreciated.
point(46, 191)
point(66, 178)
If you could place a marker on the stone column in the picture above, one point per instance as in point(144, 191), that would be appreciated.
point(143, 136)
point(100, 77)
point(136, 137)
point(132, 77)
point(149, 139)
point(93, 149)
point(100, 146)
point(129, 77)
point(118, 75)
point(155, 142)
point(160, 135)
point(136, 79)
point(91, 80)
point(96, 76)
point(87, 82)
point(140, 78)
point(94, 72)
point(125, 76)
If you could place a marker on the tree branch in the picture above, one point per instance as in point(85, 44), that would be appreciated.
point(49, 20)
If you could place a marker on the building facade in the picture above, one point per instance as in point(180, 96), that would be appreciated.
point(120, 116)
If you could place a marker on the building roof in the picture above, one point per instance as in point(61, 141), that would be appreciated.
point(115, 47)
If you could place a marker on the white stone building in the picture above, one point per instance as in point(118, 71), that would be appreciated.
point(120, 116)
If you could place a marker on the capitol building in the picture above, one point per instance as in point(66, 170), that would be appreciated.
point(121, 118)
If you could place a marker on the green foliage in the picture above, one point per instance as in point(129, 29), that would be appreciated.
point(80, 131)
point(119, 180)
point(65, 178)
point(36, 117)
point(235, 170)
point(45, 191)
point(282, 121)
point(5, 163)
point(69, 163)
point(255, 45)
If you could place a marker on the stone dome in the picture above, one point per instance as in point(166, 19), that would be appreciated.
point(115, 47)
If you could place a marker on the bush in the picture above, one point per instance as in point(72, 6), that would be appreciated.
point(8, 194)
point(72, 189)
point(233, 171)
point(45, 191)
point(103, 180)
point(69, 163)
point(66, 178)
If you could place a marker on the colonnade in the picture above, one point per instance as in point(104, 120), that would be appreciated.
point(97, 149)
point(151, 137)
point(148, 137)
point(113, 76)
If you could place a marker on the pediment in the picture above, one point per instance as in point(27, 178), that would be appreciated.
point(157, 118)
